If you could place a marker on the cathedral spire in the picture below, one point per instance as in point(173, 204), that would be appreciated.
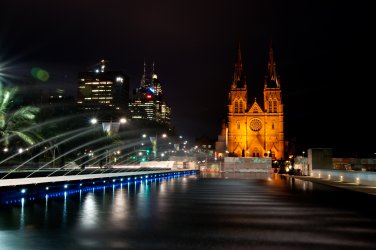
point(238, 71)
point(272, 77)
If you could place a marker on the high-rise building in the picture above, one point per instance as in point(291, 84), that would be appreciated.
point(148, 103)
point(103, 90)
point(253, 129)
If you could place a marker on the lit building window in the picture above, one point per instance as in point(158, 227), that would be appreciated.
point(236, 106)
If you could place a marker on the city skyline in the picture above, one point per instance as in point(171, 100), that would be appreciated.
point(323, 53)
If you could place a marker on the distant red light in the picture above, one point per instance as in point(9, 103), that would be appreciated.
point(148, 96)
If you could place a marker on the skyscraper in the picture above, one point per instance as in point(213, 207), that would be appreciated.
point(148, 103)
point(255, 129)
point(104, 91)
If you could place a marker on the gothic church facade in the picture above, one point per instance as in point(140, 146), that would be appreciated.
point(253, 129)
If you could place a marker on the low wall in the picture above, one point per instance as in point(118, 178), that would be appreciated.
point(357, 177)
point(157, 164)
point(368, 164)
point(185, 165)
point(247, 164)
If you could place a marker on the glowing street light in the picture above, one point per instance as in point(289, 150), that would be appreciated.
point(109, 128)
point(154, 142)
point(93, 121)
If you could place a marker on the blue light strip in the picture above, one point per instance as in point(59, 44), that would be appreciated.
point(46, 191)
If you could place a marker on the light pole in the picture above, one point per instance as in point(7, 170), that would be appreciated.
point(304, 164)
point(154, 143)
point(54, 156)
point(110, 128)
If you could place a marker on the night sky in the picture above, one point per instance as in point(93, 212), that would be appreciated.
point(324, 52)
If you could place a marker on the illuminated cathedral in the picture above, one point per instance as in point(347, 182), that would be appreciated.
point(253, 129)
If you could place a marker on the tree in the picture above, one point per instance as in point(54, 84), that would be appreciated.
point(16, 123)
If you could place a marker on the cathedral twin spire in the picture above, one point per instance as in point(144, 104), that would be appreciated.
point(239, 76)
point(271, 79)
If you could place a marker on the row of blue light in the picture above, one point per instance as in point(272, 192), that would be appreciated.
point(114, 183)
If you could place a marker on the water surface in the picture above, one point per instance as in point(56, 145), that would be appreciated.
point(233, 211)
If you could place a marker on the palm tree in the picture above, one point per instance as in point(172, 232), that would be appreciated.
point(15, 123)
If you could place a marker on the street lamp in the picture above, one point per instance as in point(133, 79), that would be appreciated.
point(154, 143)
point(304, 164)
point(93, 121)
point(110, 128)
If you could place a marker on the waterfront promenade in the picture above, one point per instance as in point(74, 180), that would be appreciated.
point(353, 186)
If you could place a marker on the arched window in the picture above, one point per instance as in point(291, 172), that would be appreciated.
point(238, 125)
point(241, 106)
point(236, 106)
point(275, 106)
point(272, 125)
point(270, 106)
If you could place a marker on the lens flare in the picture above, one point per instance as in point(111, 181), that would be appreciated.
point(40, 74)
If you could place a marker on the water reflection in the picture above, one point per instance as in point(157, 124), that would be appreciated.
point(120, 209)
point(22, 214)
point(45, 220)
point(186, 212)
point(64, 219)
point(88, 213)
point(294, 184)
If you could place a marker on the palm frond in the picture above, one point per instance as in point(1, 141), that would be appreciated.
point(6, 98)
point(4, 137)
point(22, 117)
point(25, 113)
point(16, 124)
point(25, 137)
point(2, 120)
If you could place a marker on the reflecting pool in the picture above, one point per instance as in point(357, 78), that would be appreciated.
point(233, 211)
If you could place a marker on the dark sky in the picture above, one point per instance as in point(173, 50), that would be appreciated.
point(324, 52)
